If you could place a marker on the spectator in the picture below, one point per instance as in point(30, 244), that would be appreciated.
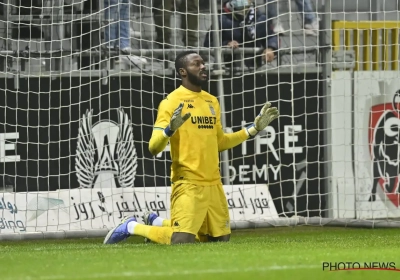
point(74, 5)
point(308, 16)
point(162, 11)
point(117, 31)
point(242, 25)
point(135, 9)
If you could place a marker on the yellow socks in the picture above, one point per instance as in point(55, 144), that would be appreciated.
point(161, 235)
point(166, 223)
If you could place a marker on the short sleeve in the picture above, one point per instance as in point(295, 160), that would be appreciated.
point(164, 114)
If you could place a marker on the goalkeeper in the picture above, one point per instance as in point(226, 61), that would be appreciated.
point(189, 118)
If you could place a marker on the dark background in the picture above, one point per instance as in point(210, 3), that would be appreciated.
point(46, 114)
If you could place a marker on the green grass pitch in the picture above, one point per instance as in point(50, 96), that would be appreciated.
point(275, 253)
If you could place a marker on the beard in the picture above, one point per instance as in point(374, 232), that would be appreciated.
point(194, 80)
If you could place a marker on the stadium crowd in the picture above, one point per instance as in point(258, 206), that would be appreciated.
point(243, 23)
point(124, 26)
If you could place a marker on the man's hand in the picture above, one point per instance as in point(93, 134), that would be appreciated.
point(176, 121)
point(233, 44)
point(268, 55)
point(266, 116)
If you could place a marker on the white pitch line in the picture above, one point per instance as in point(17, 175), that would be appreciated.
point(129, 274)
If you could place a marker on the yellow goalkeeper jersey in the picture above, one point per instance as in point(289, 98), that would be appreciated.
point(196, 144)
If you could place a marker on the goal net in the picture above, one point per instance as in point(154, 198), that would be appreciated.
point(82, 80)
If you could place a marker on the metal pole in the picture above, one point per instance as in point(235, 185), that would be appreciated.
point(375, 9)
point(6, 34)
point(326, 61)
point(150, 52)
point(220, 84)
point(293, 121)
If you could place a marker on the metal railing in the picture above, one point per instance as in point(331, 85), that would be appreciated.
point(375, 43)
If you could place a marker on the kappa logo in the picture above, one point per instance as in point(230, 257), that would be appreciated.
point(190, 106)
point(105, 153)
point(383, 134)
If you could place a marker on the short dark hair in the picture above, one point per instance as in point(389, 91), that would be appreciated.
point(180, 60)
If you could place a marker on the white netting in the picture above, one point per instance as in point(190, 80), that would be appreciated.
point(82, 80)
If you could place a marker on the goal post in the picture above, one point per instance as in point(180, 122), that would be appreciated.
point(77, 116)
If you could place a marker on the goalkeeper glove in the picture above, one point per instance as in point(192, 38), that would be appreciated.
point(176, 121)
point(266, 116)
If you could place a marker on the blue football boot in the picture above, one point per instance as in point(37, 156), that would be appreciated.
point(120, 232)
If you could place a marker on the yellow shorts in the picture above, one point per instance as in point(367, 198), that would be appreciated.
point(198, 209)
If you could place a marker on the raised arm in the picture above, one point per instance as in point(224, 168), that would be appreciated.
point(166, 124)
point(229, 140)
